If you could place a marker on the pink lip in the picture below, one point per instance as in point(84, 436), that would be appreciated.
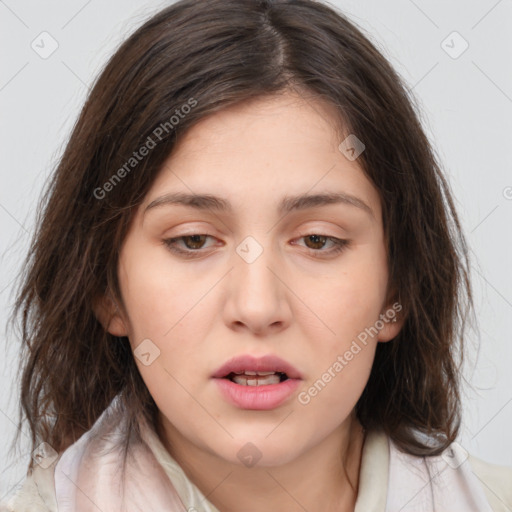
point(263, 397)
point(268, 363)
point(257, 397)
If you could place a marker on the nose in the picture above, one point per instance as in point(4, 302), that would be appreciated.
point(258, 298)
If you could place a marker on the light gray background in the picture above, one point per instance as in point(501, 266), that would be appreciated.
point(467, 112)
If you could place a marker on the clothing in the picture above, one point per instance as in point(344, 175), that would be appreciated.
point(86, 477)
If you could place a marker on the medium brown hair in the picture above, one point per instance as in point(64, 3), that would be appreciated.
point(219, 53)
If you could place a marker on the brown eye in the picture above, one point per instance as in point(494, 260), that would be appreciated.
point(194, 241)
point(317, 241)
point(187, 245)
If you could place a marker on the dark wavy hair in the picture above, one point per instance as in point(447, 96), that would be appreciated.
point(219, 53)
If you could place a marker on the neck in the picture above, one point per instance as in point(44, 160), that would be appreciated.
point(326, 477)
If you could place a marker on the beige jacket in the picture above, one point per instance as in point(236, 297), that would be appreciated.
point(390, 481)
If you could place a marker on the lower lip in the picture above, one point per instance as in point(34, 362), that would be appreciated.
point(260, 398)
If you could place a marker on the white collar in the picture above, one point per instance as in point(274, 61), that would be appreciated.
point(87, 475)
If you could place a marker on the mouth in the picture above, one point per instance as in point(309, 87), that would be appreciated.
point(262, 383)
point(246, 368)
point(252, 378)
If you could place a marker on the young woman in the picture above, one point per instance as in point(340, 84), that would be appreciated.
point(248, 286)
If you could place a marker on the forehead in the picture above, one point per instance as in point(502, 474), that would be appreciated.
point(261, 151)
point(295, 118)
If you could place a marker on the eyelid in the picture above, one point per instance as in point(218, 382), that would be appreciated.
point(339, 244)
point(172, 241)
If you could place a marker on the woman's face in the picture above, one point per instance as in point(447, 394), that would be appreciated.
point(258, 274)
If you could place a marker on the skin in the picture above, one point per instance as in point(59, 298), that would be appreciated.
point(295, 300)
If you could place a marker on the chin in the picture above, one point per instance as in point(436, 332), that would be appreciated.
point(251, 451)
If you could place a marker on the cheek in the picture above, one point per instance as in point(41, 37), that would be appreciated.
point(349, 305)
point(173, 311)
point(339, 375)
point(351, 300)
point(161, 299)
point(351, 369)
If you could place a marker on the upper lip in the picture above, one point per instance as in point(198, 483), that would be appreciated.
point(267, 363)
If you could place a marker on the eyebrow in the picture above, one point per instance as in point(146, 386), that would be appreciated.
point(287, 204)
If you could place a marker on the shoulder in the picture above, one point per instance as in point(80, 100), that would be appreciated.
point(496, 481)
point(453, 480)
point(36, 494)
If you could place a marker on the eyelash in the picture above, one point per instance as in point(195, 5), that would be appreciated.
point(339, 245)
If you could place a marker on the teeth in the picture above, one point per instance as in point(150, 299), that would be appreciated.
point(262, 380)
point(247, 372)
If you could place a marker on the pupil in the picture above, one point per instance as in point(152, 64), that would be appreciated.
point(316, 240)
point(196, 244)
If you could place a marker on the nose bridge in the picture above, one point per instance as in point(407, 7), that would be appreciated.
point(254, 257)
point(257, 295)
